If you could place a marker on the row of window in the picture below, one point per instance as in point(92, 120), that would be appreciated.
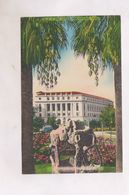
point(93, 115)
point(95, 100)
point(64, 107)
point(58, 98)
point(102, 101)
point(58, 114)
point(53, 107)
point(59, 107)
point(94, 108)
point(77, 114)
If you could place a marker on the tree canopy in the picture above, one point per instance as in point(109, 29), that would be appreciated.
point(107, 117)
point(98, 37)
point(42, 39)
point(94, 37)
point(38, 123)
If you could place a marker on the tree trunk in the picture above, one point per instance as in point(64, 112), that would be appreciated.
point(27, 129)
point(118, 121)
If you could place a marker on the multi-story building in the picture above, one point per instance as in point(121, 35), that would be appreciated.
point(73, 105)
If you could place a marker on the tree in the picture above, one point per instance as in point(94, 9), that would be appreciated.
point(94, 124)
point(107, 117)
point(52, 121)
point(80, 124)
point(38, 123)
point(99, 39)
point(42, 40)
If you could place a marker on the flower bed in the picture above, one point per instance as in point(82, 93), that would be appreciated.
point(107, 151)
point(41, 142)
point(41, 148)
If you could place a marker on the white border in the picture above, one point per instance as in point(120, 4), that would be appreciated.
point(11, 179)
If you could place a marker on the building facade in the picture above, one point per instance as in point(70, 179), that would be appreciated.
point(74, 105)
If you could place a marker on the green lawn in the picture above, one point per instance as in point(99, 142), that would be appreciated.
point(108, 169)
point(43, 168)
point(46, 168)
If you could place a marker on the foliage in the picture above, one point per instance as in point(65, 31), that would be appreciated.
point(53, 122)
point(94, 124)
point(97, 37)
point(103, 129)
point(107, 151)
point(42, 39)
point(107, 117)
point(41, 148)
point(80, 124)
point(38, 123)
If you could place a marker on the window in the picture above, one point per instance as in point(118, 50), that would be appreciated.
point(58, 98)
point(39, 98)
point(69, 106)
point(53, 98)
point(77, 114)
point(63, 114)
point(63, 98)
point(53, 107)
point(76, 98)
point(48, 98)
point(58, 107)
point(40, 108)
point(48, 107)
point(77, 107)
point(63, 107)
point(68, 97)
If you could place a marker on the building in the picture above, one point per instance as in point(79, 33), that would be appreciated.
point(74, 105)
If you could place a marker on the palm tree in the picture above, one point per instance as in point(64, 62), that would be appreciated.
point(99, 38)
point(42, 40)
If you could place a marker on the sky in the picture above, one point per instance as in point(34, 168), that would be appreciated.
point(75, 77)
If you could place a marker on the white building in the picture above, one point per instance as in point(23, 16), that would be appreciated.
point(73, 105)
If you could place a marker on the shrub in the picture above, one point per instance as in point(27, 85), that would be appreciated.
point(38, 123)
point(41, 148)
point(107, 151)
point(103, 129)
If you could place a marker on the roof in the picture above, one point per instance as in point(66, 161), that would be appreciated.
point(71, 92)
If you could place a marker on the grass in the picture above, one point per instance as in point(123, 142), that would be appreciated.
point(47, 169)
point(108, 169)
point(43, 168)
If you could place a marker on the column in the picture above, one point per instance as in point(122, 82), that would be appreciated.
point(56, 109)
point(66, 111)
point(51, 109)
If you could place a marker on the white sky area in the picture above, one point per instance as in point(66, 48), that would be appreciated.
point(75, 77)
